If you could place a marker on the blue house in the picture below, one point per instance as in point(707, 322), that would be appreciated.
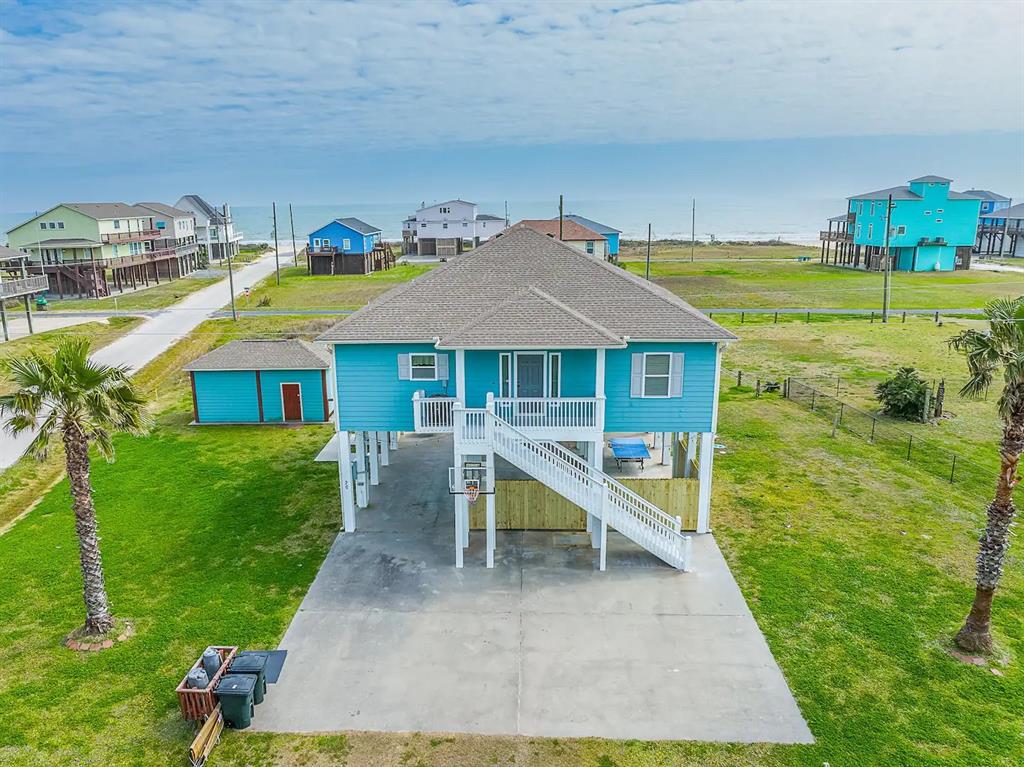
point(347, 246)
point(610, 233)
point(930, 228)
point(261, 381)
point(990, 201)
point(530, 351)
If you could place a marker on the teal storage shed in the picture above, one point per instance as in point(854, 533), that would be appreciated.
point(261, 381)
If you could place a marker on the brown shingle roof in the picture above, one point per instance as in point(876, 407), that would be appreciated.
point(269, 354)
point(570, 229)
point(552, 294)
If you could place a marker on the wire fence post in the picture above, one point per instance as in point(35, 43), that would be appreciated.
point(838, 379)
point(910, 444)
point(757, 391)
point(776, 318)
point(743, 317)
point(842, 406)
point(739, 378)
point(872, 318)
point(953, 470)
point(904, 318)
point(808, 316)
point(873, 422)
point(814, 392)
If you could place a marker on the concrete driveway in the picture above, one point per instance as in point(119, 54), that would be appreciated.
point(392, 637)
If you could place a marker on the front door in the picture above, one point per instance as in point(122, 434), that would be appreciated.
point(529, 375)
point(291, 401)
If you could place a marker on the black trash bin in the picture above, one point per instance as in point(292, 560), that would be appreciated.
point(253, 662)
point(235, 695)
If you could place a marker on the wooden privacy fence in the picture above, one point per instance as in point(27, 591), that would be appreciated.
point(526, 504)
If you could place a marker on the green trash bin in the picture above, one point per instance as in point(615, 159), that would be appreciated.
point(235, 695)
point(254, 663)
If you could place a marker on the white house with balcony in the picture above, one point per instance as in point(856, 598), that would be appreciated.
point(212, 226)
point(532, 353)
point(448, 228)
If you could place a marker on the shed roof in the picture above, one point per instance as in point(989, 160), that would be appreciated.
point(570, 229)
point(526, 289)
point(591, 224)
point(264, 354)
point(357, 225)
point(9, 254)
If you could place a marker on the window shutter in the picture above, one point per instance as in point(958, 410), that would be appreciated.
point(675, 386)
point(636, 377)
point(404, 367)
point(442, 367)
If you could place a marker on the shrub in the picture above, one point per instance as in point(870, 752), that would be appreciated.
point(905, 395)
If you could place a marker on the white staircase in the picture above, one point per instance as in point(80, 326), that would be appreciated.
point(586, 486)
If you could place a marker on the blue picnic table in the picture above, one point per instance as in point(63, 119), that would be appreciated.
point(629, 449)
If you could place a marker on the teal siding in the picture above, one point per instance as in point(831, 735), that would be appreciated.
point(226, 396)
point(692, 412)
point(370, 395)
point(312, 393)
point(482, 374)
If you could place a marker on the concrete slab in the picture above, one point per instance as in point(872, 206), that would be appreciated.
point(391, 637)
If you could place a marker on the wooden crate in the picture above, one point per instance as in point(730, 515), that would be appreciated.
point(199, 704)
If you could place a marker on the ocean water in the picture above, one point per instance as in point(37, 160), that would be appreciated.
point(727, 218)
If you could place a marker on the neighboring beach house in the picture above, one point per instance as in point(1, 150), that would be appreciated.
point(610, 233)
point(91, 249)
point(177, 228)
point(531, 351)
point(448, 228)
point(213, 227)
point(990, 201)
point(1001, 232)
point(573, 234)
point(347, 246)
point(931, 228)
point(261, 381)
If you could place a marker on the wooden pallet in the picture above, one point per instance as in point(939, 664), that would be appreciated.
point(199, 704)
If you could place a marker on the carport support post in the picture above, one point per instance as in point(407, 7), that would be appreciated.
point(345, 482)
point(489, 498)
point(666, 447)
point(393, 440)
point(691, 453)
point(363, 498)
point(385, 448)
point(707, 457)
point(374, 449)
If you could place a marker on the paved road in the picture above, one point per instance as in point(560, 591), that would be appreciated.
point(153, 337)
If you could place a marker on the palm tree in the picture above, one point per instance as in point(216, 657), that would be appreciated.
point(997, 351)
point(65, 393)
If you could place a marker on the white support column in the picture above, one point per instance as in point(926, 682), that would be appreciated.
point(491, 523)
point(393, 439)
point(346, 484)
point(707, 457)
point(604, 543)
point(691, 452)
point(362, 475)
point(385, 448)
point(460, 375)
point(666, 447)
point(458, 530)
point(373, 453)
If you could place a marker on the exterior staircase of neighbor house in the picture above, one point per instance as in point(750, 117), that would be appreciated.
point(568, 475)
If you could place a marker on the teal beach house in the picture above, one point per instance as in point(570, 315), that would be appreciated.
point(610, 233)
point(532, 353)
point(261, 382)
point(925, 226)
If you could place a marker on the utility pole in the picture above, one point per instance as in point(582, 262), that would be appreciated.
point(560, 216)
point(295, 250)
point(693, 227)
point(648, 252)
point(277, 260)
point(506, 214)
point(887, 284)
point(231, 274)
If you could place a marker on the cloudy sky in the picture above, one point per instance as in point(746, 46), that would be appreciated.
point(311, 101)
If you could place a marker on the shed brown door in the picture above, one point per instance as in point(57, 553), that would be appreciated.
point(291, 399)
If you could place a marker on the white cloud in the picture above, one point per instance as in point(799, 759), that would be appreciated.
point(244, 77)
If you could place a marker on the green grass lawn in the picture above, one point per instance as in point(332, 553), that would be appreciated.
point(811, 285)
point(301, 291)
point(857, 566)
point(670, 250)
point(154, 297)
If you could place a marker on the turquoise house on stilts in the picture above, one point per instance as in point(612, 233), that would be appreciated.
point(530, 353)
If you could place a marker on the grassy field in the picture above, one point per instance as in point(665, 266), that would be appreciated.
point(811, 285)
point(857, 567)
point(667, 250)
point(155, 297)
point(301, 291)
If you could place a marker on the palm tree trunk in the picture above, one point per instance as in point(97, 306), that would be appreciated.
point(975, 636)
point(97, 609)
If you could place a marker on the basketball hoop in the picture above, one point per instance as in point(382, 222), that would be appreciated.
point(470, 481)
point(471, 490)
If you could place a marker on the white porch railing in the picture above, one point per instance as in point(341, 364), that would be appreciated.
point(531, 414)
point(432, 415)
